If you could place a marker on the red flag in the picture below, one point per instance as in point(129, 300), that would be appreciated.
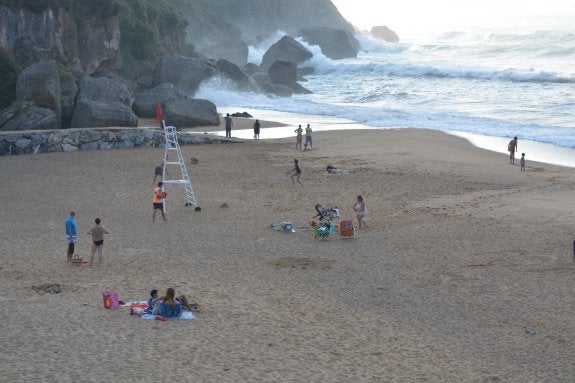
point(158, 112)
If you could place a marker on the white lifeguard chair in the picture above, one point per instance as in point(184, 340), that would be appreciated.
point(172, 145)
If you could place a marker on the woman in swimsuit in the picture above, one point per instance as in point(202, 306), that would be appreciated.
point(97, 233)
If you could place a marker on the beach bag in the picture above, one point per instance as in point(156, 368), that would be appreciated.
point(110, 300)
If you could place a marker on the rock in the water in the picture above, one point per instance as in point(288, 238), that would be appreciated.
point(234, 73)
point(384, 33)
point(286, 49)
point(285, 73)
point(336, 44)
point(187, 113)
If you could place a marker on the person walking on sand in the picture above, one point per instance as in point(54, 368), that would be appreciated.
point(512, 148)
point(296, 172)
point(522, 162)
point(229, 124)
point(360, 210)
point(97, 233)
point(71, 235)
point(158, 201)
point(308, 132)
point(299, 132)
point(257, 126)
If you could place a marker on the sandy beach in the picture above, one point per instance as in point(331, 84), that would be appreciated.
point(464, 273)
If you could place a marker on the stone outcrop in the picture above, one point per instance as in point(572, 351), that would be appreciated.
point(384, 33)
point(145, 102)
point(233, 72)
point(285, 73)
point(336, 44)
point(27, 116)
point(90, 139)
point(40, 83)
point(103, 102)
point(97, 114)
point(49, 34)
point(186, 73)
point(187, 113)
point(285, 49)
point(99, 44)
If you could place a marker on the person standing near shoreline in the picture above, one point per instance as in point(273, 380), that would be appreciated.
point(71, 235)
point(97, 233)
point(158, 201)
point(308, 133)
point(299, 132)
point(522, 162)
point(257, 126)
point(512, 148)
point(229, 124)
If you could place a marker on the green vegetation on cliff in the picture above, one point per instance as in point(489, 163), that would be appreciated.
point(149, 28)
point(8, 74)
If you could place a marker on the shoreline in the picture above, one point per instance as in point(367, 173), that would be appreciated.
point(286, 122)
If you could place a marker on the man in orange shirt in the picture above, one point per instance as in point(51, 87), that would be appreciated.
point(158, 201)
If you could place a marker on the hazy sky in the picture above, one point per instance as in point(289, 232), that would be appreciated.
point(403, 15)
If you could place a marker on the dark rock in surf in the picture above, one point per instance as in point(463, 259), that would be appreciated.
point(286, 49)
point(384, 33)
point(334, 43)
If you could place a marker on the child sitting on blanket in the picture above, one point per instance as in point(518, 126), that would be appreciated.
point(153, 299)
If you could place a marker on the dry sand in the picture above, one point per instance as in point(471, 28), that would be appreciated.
point(463, 275)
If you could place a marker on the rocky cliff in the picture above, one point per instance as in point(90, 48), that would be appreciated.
point(52, 50)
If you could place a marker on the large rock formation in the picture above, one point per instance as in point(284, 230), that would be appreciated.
point(186, 73)
point(187, 113)
point(384, 33)
point(99, 44)
point(103, 102)
point(145, 102)
point(232, 72)
point(334, 43)
point(40, 83)
point(27, 116)
point(285, 73)
point(285, 49)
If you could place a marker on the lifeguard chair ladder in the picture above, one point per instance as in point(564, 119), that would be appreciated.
point(172, 145)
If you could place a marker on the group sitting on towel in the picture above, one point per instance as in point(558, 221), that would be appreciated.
point(169, 306)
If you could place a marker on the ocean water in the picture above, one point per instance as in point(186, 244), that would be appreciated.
point(494, 82)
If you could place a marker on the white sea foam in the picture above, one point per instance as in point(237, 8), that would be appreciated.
point(482, 82)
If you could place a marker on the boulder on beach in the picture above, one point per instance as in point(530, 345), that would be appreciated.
point(188, 113)
point(40, 83)
point(98, 114)
point(27, 116)
point(145, 102)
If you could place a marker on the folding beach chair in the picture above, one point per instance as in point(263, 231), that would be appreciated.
point(346, 229)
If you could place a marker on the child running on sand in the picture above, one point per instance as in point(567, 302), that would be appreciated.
point(296, 172)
